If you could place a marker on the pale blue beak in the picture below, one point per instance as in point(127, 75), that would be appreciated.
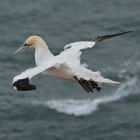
point(23, 48)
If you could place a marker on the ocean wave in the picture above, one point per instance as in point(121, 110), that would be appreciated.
point(88, 106)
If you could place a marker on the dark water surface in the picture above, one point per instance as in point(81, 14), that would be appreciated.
point(60, 110)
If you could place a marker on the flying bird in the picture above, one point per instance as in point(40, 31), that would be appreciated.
point(65, 66)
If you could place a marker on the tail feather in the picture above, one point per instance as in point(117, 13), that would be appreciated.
point(108, 81)
point(90, 80)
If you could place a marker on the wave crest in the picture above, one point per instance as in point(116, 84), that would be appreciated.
point(87, 106)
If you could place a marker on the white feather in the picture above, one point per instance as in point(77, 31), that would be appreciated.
point(66, 65)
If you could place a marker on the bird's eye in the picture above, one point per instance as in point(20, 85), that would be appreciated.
point(26, 44)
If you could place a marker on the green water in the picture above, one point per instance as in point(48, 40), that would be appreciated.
point(59, 110)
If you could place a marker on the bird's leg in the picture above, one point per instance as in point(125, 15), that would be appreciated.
point(85, 84)
point(95, 85)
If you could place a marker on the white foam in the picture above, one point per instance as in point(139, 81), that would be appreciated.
point(88, 106)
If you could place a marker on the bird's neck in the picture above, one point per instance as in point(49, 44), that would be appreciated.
point(42, 54)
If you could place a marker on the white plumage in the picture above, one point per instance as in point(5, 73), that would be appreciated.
point(66, 65)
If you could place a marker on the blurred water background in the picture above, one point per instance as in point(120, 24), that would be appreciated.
point(59, 110)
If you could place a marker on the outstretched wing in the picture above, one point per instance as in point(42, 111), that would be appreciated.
point(21, 81)
point(91, 42)
point(73, 50)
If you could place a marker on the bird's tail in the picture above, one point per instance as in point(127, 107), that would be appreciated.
point(108, 81)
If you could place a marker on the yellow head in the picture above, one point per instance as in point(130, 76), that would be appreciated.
point(33, 41)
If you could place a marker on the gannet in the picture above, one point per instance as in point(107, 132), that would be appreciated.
point(65, 66)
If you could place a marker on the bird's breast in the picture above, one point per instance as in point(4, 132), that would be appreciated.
point(60, 73)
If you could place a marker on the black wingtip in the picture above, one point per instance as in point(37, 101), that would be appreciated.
point(122, 33)
point(104, 37)
point(23, 85)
